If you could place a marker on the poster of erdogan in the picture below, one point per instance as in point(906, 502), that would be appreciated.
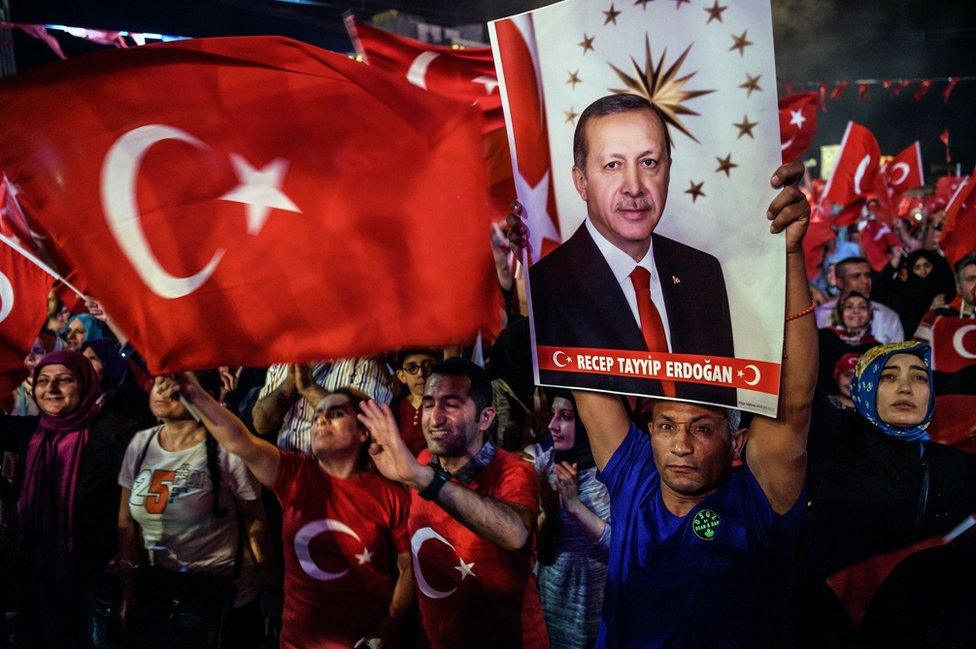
point(643, 139)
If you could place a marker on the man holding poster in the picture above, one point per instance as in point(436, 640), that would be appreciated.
point(665, 284)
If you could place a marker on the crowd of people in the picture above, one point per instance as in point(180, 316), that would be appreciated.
point(419, 499)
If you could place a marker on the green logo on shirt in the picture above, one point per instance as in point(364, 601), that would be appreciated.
point(704, 524)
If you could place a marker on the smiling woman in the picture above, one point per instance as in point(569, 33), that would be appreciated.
point(68, 460)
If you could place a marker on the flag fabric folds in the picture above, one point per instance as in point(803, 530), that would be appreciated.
point(23, 300)
point(253, 200)
point(797, 123)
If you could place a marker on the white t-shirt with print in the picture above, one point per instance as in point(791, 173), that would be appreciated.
point(172, 499)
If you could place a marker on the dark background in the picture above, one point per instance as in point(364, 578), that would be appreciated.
point(816, 40)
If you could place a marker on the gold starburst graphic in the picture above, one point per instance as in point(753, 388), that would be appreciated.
point(663, 88)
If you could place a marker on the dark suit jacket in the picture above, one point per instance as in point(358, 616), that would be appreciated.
point(577, 302)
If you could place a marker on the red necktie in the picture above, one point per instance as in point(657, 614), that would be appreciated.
point(650, 319)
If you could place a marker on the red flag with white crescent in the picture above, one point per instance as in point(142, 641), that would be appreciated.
point(953, 343)
point(959, 224)
point(797, 123)
point(528, 134)
point(904, 171)
point(857, 166)
point(23, 309)
point(254, 200)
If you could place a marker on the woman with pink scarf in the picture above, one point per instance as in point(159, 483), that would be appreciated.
point(69, 458)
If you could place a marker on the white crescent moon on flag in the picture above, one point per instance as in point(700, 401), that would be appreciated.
point(305, 535)
point(862, 167)
point(904, 169)
point(555, 358)
point(118, 185)
point(785, 145)
point(756, 375)
point(957, 341)
point(417, 74)
point(6, 297)
point(417, 541)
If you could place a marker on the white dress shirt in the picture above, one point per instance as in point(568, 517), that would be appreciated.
point(885, 323)
point(622, 265)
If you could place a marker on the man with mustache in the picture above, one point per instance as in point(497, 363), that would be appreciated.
point(592, 290)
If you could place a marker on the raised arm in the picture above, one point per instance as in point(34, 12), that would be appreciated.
point(606, 422)
point(505, 524)
point(776, 449)
point(269, 411)
point(261, 457)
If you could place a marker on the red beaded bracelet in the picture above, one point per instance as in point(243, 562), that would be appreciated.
point(806, 311)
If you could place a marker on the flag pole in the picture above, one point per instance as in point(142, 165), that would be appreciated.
point(31, 257)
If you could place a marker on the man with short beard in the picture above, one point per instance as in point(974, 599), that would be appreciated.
point(472, 518)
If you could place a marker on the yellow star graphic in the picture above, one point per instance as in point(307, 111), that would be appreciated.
point(573, 79)
point(740, 43)
point(695, 190)
point(610, 16)
point(725, 164)
point(571, 115)
point(745, 127)
point(662, 87)
point(587, 43)
point(642, 3)
point(751, 83)
point(715, 12)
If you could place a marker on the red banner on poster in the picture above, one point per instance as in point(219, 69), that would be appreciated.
point(743, 373)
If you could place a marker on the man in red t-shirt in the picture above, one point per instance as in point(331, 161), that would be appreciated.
point(472, 519)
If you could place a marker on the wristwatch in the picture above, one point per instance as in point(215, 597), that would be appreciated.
point(441, 476)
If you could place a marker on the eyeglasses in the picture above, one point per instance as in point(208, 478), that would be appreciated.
point(415, 368)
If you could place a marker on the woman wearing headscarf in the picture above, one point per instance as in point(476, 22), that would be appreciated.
point(876, 482)
point(68, 497)
point(910, 287)
point(575, 536)
point(119, 391)
point(849, 332)
point(82, 328)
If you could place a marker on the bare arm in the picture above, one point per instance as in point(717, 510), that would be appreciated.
point(261, 457)
point(606, 423)
point(505, 524)
point(307, 388)
point(402, 600)
point(269, 411)
point(567, 481)
point(259, 539)
point(130, 548)
point(776, 449)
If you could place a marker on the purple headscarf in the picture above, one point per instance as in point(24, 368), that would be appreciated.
point(47, 497)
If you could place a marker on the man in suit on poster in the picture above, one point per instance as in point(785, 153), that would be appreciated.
point(615, 284)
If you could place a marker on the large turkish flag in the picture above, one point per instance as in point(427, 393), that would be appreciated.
point(253, 200)
point(23, 310)
point(953, 343)
point(904, 171)
point(856, 171)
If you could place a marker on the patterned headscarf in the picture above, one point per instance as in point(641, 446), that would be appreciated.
point(837, 314)
point(864, 387)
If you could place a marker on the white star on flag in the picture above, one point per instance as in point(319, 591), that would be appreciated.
point(797, 118)
point(535, 208)
point(260, 190)
point(465, 569)
point(365, 557)
point(490, 83)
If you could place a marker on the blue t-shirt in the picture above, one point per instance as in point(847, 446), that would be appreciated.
point(715, 577)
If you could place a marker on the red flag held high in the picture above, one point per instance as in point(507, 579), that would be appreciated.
point(797, 124)
point(23, 310)
point(251, 200)
point(904, 171)
point(461, 74)
point(857, 166)
point(959, 225)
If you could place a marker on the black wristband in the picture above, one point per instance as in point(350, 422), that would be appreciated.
point(441, 476)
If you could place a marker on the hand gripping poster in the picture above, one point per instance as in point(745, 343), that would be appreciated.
point(643, 139)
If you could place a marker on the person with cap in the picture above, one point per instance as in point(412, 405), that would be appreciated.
point(348, 572)
point(876, 483)
point(843, 374)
